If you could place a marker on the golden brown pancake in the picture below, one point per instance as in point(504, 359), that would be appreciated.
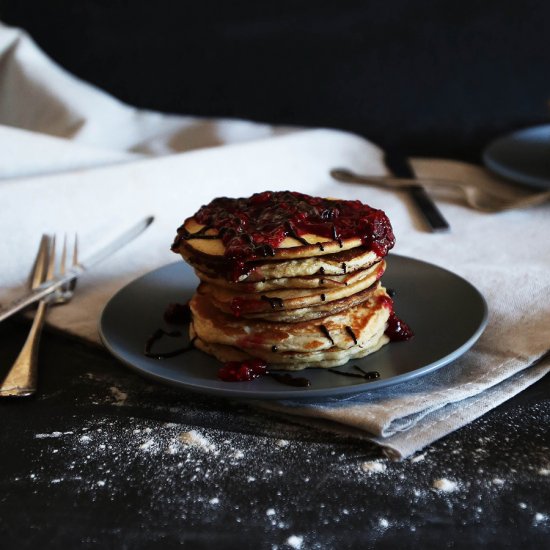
point(289, 248)
point(289, 279)
point(349, 328)
point(294, 361)
point(339, 263)
point(244, 303)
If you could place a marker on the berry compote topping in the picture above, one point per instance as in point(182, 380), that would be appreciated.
point(252, 228)
point(242, 371)
point(397, 330)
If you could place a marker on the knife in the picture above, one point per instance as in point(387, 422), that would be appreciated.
point(52, 285)
point(399, 166)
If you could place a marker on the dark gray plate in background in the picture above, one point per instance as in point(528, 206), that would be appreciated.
point(523, 156)
point(446, 313)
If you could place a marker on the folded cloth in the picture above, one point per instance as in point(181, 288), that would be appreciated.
point(39, 96)
point(506, 256)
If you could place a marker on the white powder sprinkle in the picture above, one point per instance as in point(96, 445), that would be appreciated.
point(147, 445)
point(118, 395)
point(195, 439)
point(540, 517)
point(383, 522)
point(373, 466)
point(522, 505)
point(238, 454)
point(295, 541)
point(85, 439)
point(445, 485)
point(214, 500)
point(282, 442)
point(418, 458)
point(498, 481)
point(101, 483)
point(53, 434)
point(544, 472)
point(270, 512)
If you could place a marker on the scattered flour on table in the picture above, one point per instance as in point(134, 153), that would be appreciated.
point(445, 485)
point(105, 454)
point(195, 439)
point(119, 396)
point(373, 466)
point(295, 542)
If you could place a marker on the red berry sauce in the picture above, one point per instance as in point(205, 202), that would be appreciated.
point(397, 330)
point(252, 228)
point(242, 371)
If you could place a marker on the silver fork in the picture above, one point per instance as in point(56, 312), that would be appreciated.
point(479, 199)
point(21, 379)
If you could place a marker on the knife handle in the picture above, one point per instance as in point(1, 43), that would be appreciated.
point(428, 208)
point(399, 165)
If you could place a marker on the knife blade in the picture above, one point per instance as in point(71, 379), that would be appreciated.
point(399, 166)
point(97, 256)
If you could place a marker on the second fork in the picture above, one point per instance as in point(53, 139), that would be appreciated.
point(22, 378)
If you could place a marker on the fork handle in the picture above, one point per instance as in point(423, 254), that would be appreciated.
point(23, 376)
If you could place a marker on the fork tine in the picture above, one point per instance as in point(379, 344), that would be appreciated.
point(63, 261)
point(72, 284)
point(38, 272)
point(51, 261)
point(75, 250)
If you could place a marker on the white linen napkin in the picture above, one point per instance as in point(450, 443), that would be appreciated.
point(506, 256)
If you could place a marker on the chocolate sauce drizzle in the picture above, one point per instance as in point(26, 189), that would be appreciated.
point(323, 297)
point(344, 267)
point(366, 375)
point(157, 335)
point(273, 302)
point(290, 380)
point(292, 233)
point(326, 333)
point(349, 330)
point(274, 349)
point(321, 247)
point(201, 234)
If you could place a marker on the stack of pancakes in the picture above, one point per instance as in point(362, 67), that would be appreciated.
point(295, 290)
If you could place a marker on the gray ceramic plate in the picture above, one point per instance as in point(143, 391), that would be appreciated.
point(446, 313)
point(523, 157)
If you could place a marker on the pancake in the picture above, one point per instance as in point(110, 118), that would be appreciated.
point(288, 248)
point(339, 263)
point(281, 225)
point(318, 281)
point(287, 279)
point(244, 303)
point(293, 361)
point(352, 327)
point(321, 310)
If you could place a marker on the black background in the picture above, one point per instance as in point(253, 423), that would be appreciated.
point(431, 77)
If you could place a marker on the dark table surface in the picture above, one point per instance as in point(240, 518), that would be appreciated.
point(103, 457)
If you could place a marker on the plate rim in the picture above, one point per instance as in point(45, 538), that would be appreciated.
point(301, 394)
point(511, 173)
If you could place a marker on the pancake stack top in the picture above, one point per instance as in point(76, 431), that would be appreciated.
point(289, 279)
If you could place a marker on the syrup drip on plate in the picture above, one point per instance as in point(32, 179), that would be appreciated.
point(246, 371)
point(160, 333)
point(366, 375)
